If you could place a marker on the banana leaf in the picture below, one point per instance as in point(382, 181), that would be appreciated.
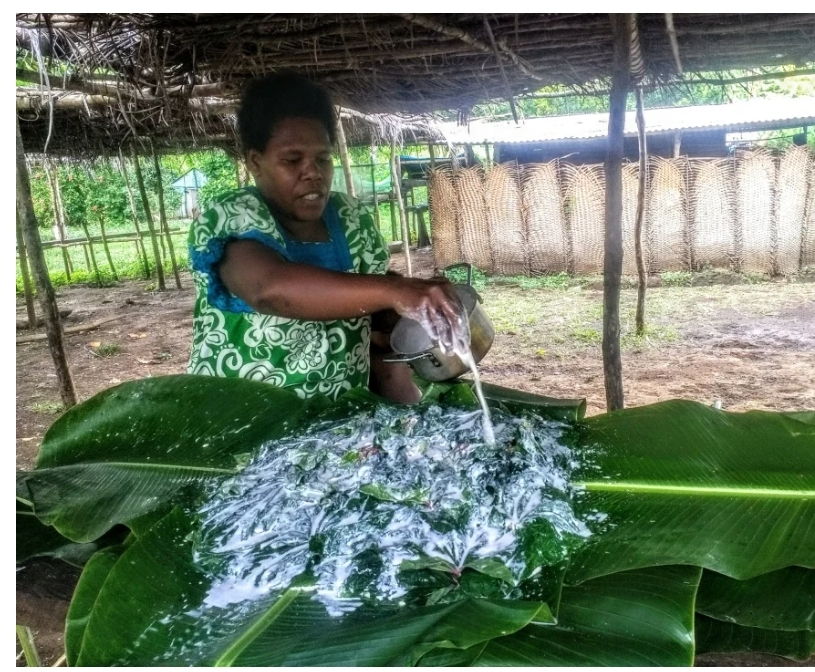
point(140, 445)
point(714, 636)
point(36, 539)
point(779, 600)
point(679, 482)
point(156, 582)
point(672, 484)
point(640, 617)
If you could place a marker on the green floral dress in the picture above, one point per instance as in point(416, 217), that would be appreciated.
point(231, 339)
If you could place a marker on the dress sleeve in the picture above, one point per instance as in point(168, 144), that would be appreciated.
point(238, 215)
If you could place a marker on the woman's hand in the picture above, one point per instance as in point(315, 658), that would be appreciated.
point(435, 305)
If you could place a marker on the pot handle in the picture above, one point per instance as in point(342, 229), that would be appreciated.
point(463, 264)
point(396, 358)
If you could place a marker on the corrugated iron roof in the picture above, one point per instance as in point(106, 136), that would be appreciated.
point(741, 116)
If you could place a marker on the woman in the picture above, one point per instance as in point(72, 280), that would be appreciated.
point(289, 273)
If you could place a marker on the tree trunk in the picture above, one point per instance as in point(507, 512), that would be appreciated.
point(45, 291)
point(150, 225)
point(613, 258)
point(163, 219)
point(101, 219)
point(344, 160)
point(140, 240)
point(396, 179)
point(643, 181)
point(29, 295)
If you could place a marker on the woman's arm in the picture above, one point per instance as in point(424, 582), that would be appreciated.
point(272, 285)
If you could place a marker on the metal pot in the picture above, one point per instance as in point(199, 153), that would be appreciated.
point(413, 345)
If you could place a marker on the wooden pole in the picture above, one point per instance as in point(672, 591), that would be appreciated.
point(643, 181)
point(140, 241)
point(432, 149)
point(59, 224)
point(344, 160)
point(29, 295)
point(84, 224)
point(87, 258)
point(396, 178)
point(105, 245)
point(613, 258)
point(45, 291)
point(162, 214)
point(373, 188)
point(150, 226)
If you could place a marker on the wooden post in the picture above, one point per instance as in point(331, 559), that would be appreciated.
point(391, 205)
point(59, 224)
point(89, 244)
point(101, 219)
point(87, 258)
point(150, 226)
point(344, 160)
point(45, 291)
point(373, 188)
point(163, 218)
point(643, 181)
point(140, 240)
point(677, 144)
point(613, 258)
point(29, 295)
point(396, 178)
point(432, 149)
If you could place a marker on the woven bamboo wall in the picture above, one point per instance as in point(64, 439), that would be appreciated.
point(754, 212)
point(792, 198)
point(808, 246)
point(755, 199)
point(668, 231)
point(548, 244)
point(502, 191)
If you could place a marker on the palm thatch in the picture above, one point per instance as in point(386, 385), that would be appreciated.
point(176, 77)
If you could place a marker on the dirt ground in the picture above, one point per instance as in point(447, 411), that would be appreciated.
point(746, 346)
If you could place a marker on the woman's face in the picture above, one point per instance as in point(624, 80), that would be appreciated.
point(295, 170)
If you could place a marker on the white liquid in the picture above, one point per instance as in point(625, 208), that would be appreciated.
point(459, 344)
point(489, 431)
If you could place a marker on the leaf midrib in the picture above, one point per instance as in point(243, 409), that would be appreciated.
point(650, 488)
point(141, 465)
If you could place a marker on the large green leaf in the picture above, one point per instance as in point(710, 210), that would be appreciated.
point(152, 580)
point(675, 483)
point(135, 447)
point(780, 600)
point(87, 590)
point(714, 636)
point(305, 636)
point(35, 539)
point(679, 482)
point(639, 617)
point(163, 594)
point(567, 410)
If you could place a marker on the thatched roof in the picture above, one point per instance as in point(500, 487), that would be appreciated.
point(176, 77)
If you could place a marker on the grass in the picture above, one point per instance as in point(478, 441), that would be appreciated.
point(126, 260)
point(107, 349)
point(47, 407)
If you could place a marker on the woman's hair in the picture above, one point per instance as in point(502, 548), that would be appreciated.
point(268, 101)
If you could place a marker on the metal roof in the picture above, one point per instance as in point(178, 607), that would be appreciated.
point(192, 179)
point(741, 116)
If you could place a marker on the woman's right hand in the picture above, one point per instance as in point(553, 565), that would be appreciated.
point(435, 305)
